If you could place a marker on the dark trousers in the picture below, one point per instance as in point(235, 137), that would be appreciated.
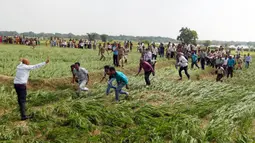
point(172, 54)
point(219, 77)
point(186, 71)
point(247, 64)
point(115, 60)
point(154, 57)
point(147, 77)
point(202, 63)
point(230, 72)
point(21, 91)
point(194, 63)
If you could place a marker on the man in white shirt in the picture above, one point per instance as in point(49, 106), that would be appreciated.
point(83, 77)
point(154, 52)
point(183, 63)
point(20, 82)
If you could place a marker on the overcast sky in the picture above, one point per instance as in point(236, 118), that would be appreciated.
point(212, 19)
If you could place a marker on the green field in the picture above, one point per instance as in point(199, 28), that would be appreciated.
point(197, 111)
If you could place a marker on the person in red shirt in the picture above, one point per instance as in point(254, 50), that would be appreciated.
point(148, 69)
point(0, 39)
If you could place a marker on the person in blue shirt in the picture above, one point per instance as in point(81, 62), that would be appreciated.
point(230, 65)
point(115, 54)
point(122, 81)
point(194, 60)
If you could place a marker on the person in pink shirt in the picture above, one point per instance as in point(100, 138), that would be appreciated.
point(148, 69)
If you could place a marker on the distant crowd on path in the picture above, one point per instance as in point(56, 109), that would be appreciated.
point(19, 40)
point(81, 43)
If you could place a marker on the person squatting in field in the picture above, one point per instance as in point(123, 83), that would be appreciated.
point(122, 81)
point(20, 83)
point(220, 73)
point(83, 77)
point(148, 69)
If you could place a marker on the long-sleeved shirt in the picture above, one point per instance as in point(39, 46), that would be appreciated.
point(155, 51)
point(203, 55)
point(183, 62)
point(231, 63)
point(148, 56)
point(23, 71)
point(248, 59)
point(120, 77)
point(146, 67)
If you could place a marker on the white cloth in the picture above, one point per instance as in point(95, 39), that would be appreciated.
point(23, 71)
point(183, 62)
point(82, 85)
point(225, 61)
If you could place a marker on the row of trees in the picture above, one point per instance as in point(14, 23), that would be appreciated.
point(187, 36)
point(90, 36)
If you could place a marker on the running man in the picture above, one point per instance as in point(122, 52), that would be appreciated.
point(122, 81)
point(20, 83)
point(83, 77)
point(148, 69)
point(183, 63)
point(111, 79)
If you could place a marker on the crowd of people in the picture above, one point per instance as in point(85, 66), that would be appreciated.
point(220, 59)
point(19, 40)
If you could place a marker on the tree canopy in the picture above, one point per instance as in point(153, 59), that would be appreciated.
point(187, 36)
point(104, 37)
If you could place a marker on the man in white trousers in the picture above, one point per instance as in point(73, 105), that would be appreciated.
point(83, 77)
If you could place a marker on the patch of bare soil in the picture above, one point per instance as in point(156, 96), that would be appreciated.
point(95, 132)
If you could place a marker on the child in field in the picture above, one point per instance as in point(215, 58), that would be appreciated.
point(220, 73)
point(122, 81)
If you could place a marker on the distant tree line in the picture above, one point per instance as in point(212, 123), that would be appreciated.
point(90, 36)
point(186, 35)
